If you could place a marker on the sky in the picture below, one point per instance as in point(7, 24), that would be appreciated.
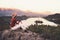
point(32, 5)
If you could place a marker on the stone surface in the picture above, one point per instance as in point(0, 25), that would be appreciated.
point(19, 35)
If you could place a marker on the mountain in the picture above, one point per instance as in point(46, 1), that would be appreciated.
point(8, 12)
point(56, 15)
point(54, 18)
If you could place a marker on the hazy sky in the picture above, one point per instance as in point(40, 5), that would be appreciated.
point(33, 5)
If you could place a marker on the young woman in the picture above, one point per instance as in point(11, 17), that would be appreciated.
point(13, 20)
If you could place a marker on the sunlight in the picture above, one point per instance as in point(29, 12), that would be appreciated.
point(32, 5)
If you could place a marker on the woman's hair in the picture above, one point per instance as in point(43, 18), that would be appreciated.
point(14, 14)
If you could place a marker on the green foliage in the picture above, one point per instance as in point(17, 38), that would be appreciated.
point(49, 32)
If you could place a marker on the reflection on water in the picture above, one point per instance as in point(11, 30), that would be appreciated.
point(29, 21)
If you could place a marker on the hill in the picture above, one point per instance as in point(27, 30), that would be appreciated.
point(54, 18)
point(5, 21)
point(19, 35)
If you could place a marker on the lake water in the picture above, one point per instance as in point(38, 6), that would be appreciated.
point(31, 21)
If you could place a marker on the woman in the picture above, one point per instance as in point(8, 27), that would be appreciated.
point(13, 20)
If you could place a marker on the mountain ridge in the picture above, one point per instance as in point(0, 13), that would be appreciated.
point(9, 11)
point(54, 18)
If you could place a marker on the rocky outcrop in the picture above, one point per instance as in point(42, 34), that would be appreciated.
point(19, 35)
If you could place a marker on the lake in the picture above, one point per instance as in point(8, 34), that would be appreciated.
point(31, 21)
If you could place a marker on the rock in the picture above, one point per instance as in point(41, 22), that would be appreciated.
point(19, 35)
